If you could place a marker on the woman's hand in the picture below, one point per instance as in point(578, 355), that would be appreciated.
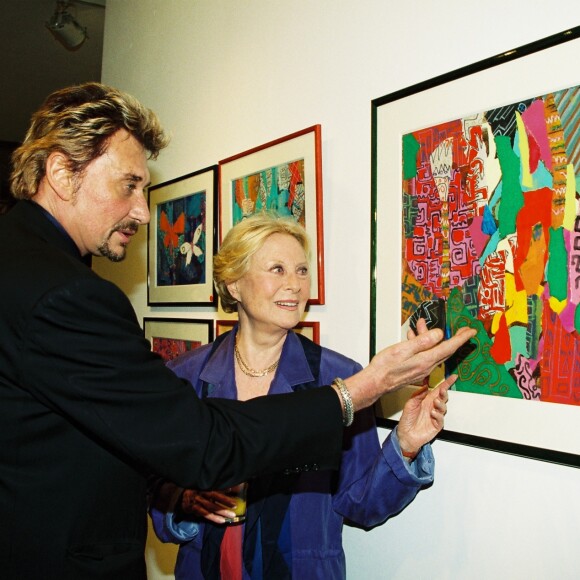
point(423, 416)
point(211, 505)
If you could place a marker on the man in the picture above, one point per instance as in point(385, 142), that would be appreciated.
point(86, 410)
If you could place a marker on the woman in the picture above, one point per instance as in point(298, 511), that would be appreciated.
point(294, 521)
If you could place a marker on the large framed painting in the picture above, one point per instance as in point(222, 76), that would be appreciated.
point(283, 176)
point(170, 337)
point(309, 329)
point(181, 240)
point(475, 205)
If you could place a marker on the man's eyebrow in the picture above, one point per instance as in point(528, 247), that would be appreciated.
point(137, 179)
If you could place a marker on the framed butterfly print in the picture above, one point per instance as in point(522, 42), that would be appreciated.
point(170, 337)
point(181, 240)
point(284, 176)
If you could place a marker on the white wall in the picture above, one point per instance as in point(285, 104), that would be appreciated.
point(226, 75)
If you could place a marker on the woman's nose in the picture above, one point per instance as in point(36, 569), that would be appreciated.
point(293, 282)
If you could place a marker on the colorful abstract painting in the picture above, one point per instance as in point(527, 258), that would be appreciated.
point(181, 241)
point(491, 226)
point(279, 189)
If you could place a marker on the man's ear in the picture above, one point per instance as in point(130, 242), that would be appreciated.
point(59, 176)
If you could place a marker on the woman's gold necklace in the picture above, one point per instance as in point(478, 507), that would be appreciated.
point(249, 371)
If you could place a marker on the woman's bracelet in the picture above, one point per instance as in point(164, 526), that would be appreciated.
point(348, 416)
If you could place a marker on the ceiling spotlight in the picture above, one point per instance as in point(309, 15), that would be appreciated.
point(65, 28)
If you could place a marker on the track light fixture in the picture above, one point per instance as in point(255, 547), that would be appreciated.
point(65, 28)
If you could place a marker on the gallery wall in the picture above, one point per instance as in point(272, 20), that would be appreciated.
point(225, 76)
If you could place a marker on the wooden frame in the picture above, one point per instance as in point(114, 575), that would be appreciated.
point(309, 329)
point(536, 429)
point(182, 240)
point(284, 175)
point(170, 337)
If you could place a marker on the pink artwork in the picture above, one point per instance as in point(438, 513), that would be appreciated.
point(169, 348)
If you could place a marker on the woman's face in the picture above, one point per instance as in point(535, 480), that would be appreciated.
point(276, 287)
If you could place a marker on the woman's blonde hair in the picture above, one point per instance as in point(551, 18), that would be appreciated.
point(247, 237)
point(79, 121)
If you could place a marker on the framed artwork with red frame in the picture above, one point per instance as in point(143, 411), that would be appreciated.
point(282, 176)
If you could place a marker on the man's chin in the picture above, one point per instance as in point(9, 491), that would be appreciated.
point(114, 256)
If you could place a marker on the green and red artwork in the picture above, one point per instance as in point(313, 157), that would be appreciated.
point(279, 189)
point(491, 227)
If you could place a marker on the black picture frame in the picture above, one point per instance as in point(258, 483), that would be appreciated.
point(538, 430)
point(175, 254)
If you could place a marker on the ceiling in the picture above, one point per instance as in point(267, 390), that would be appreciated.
point(34, 63)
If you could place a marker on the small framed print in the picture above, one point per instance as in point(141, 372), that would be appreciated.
point(170, 337)
point(309, 329)
point(181, 240)
point(283, 176)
